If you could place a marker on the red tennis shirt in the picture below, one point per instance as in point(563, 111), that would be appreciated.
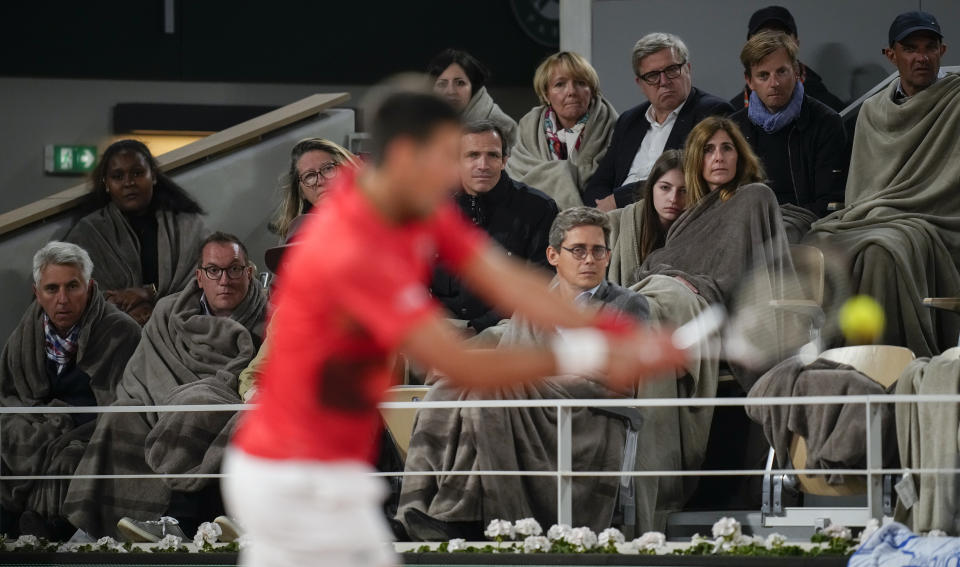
point(346, 298)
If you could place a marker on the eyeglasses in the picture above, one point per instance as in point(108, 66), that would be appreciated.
point(311, 177)
point(671, 72)
point(235, 271)
point(579, 253)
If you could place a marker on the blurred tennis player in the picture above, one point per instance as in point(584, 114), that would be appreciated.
point(353, 293)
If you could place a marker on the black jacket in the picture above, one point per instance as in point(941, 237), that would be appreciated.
point(628, 134)
point(811, 153)
point(518, 217)
point(813, 85)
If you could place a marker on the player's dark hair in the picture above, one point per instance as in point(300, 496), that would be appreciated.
point(220, 237)
point(167, 195)
point(408, 114)
point(475, 70)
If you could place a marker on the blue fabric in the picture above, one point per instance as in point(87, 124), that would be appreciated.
point(772, 122)
point(894, 545)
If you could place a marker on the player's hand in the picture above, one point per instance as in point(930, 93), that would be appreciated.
point(641, 356)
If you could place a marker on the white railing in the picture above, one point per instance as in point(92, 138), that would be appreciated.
point(564, 472)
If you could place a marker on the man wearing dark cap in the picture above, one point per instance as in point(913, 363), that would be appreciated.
point(916, 47)
point(778, 18)
point(899, 226)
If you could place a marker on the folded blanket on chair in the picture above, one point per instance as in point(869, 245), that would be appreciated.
point(185, 357)
point(835, 433)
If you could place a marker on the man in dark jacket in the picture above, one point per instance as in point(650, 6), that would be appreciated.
point(800, 140)
point(517, 216)
point(778, 18)
point(661, 63)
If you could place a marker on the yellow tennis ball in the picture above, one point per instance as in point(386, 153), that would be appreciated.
point(861, 319)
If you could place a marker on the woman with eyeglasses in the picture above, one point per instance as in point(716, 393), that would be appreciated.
point(145, 233)
point(460, 78)
point(561, 141)
point(314, 162)
point(641, 227)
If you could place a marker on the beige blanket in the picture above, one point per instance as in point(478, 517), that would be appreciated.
point(902, 222)
point(928, 437)
point(564, 180)
point(482, 107)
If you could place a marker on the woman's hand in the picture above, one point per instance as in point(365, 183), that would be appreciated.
point(607, 204)
point(689, 285)
point(127, 299)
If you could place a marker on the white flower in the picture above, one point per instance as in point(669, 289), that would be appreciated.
point(610, 535)
point(169, 542)
point(652, 541)
point(936, 533)
point(499, 529)
point(628, 548)
point(27, 540)
point(527, 527)
point(872, 526)
point(581, 538)
point(726, 528)
point(208, 532)
point(697, 539)
point(67, 548)
point(536, 544)
point(456, 544)
point(837, 531)
point(756, 540)
point(558, 532)
point(107, 542)
point(774, 541)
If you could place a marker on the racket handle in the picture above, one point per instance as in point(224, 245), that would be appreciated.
point(700, 328)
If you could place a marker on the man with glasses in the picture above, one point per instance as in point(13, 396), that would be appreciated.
point(193, 347)
point(661, 63)
point(455, 506)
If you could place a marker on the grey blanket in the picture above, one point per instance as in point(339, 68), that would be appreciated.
point(928, 437)
point(185, 357)
point(519, 439)
point(901, 226)
point(626, 227)
point(835, 434)
point(482, 107)
point(115, 248)
point(796, 222)
point(530, 161)
point(53, 444)
point(715, 243)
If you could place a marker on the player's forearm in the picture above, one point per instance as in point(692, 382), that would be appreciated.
point(498, 368)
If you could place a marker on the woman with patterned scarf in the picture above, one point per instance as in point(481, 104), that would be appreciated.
point(560, 143)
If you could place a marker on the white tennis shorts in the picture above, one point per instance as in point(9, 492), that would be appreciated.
point(298, 513)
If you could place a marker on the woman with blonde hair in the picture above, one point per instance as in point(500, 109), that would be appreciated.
point(561, 141)
point(314, 162)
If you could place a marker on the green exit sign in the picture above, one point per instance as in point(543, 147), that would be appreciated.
point(69, 159)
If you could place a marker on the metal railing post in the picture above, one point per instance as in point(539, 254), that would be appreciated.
point(564, 465)
point(874, 459)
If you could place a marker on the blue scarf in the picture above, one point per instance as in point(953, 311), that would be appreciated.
point(775, 121)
